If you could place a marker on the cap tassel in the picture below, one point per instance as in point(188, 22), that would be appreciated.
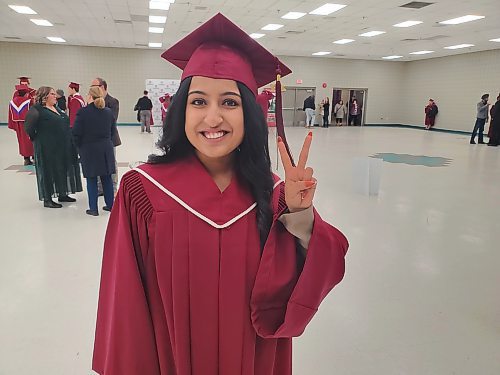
point(279, 115)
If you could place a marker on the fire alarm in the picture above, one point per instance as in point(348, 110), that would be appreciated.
point(324, 85)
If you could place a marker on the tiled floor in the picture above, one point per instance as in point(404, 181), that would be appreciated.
point(422, 289)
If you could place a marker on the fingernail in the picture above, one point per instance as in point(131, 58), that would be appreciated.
point(309, 183)
point(310, 134)
point(279, 139)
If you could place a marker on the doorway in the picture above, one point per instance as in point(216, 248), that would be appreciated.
point(354, 101)
point(293, 102)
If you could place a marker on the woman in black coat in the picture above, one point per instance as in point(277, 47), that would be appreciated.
point(495, 124)
point(93, 133)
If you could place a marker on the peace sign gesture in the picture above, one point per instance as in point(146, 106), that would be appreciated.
point(300, 184)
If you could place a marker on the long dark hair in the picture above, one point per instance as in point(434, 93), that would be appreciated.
point(252, 161)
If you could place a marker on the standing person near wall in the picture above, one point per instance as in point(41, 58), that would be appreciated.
point(114, 105)
point(61, 100)
point(18, 109)
point(481, 119)
point(326, 112)
point(56, 160)
point(339, 112)
point(431, 111)
point(492, 110)
point(165, 103)
point(75, 101)
point(353, 112)
point(309, 107)
point(145, 106)
point(495, 124)
point(93, 131)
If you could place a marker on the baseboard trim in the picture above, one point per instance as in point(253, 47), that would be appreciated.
point(461, 132)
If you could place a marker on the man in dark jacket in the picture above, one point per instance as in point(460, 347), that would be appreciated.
point(144, 106)
point(114, 105)
point(61, 100)
point(309, 108)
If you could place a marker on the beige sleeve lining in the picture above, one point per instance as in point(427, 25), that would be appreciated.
point(300, 224)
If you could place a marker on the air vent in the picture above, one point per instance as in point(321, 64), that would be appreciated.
point(436, 37)
point(139, 18)
point(409, 40)
point(295, 31)
point(141, 45)
point(282, 37)
point(127, 22)
point(198, 7)
point(12, 37)
point(416, 5)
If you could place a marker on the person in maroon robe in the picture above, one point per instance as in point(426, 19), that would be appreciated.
point(75, 102)
point(263, 100)
point(211, 263)
point(23, 80)
point(165, 102)
point(18, 108)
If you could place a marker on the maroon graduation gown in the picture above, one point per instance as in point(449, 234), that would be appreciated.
point(185, 288)
point(18, 108)
point(75, 102)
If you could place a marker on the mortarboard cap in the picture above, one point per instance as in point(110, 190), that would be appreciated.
point(23, 80)
point(220, 49)
point(74, 85)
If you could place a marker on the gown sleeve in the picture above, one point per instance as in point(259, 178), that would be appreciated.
point(288, 289)
point(124, 339)
point(31, 123)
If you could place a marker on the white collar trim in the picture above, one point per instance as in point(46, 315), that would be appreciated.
point(192, 210)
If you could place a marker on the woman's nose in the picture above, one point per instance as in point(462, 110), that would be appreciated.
point(213, 117)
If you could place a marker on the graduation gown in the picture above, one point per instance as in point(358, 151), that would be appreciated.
point(18, 108)
point(186, 288)
point(75, 102)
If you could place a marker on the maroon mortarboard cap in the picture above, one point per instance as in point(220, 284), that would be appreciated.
point(74, 85)
point(22, 87)
point(24, 80)
point(220, 49)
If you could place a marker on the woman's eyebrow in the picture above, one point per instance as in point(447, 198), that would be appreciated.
point(223, 94)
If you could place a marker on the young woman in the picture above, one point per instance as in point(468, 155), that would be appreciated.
point(326, 112)
point(56, 159)
point(211, 263)
point(93, 132)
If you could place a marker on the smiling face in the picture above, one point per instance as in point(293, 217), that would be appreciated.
point(214, 118)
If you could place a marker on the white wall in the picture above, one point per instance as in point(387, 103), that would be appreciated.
point(456, 84)
point(397, 91)
point(125, 70)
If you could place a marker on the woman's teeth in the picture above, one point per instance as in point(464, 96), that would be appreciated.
point(213, 135)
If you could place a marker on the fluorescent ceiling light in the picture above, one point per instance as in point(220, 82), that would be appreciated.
point(272, 26)
point(369, 34)
point(293, 15)
point(322, 53)
point(22, 9)
point(56, 39)
point(256, 35)
point(156, 30)
point(458, 46)
point(154, 45)
point(495, 40)
point(40, 22)
point(456, 21)
point(160, 5)
point(327, 9)
point(408, 24)
point(421, 52)
point(344, 41)
point(157, 19)
point(392, 57)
